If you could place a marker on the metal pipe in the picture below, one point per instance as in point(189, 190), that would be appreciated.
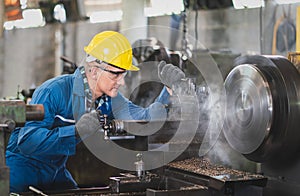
point(2, 14)
point(298, 30)
point(35, 112)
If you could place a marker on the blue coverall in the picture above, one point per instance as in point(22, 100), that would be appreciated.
point(37, 153)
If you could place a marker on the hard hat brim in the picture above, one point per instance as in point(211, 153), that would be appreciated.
point(90, 58)
point(134, 68)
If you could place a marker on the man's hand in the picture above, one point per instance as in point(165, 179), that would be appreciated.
point(169, 74)
point(87, 125)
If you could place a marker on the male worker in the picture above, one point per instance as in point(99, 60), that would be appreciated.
point(37, 153)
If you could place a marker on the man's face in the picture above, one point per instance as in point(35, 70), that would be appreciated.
point(108, 80)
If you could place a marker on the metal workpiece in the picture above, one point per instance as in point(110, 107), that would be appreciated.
point(262, 108)
point(249, 109)
point(34, 112)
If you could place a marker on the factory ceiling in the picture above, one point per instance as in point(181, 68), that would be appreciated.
point(75, 9)
point(82, 9)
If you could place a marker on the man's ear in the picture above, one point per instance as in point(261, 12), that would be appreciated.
point(93, 73)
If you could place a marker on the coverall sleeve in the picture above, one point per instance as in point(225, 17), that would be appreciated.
point(124, 109)
point(40, 137)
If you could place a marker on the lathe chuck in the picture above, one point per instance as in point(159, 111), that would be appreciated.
point(262, 107)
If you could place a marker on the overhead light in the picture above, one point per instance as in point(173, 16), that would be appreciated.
point(31, 18)
point(166, 7)
point(106, 16)
point(287, 1)
point(242, 4)
point(59, 13)
point(101, 2)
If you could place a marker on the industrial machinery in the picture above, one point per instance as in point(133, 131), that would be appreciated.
point(186, 174)
point(262, 105)
point(262, 121)
point(13, 113)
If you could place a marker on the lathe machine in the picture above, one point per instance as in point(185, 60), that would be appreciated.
point(260, 130)
point(260, 126)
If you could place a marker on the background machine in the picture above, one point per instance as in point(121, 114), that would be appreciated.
point(13, 113)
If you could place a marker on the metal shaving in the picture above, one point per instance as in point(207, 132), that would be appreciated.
point(204, 167)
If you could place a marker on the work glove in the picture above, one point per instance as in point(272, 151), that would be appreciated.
point(169, 74)
point(87, 125)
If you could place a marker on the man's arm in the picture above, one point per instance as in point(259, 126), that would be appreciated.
point(40, 137)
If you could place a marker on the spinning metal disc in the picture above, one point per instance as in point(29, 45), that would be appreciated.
point(249, 108)
point(262, 112)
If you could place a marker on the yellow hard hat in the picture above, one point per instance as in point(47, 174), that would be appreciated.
point(112, 48)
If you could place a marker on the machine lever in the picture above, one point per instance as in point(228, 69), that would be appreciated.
point(35, 190)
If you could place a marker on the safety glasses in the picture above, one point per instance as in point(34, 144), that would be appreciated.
point(114, 75)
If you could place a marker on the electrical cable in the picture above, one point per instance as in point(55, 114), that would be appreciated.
point(196, 27)
point(260, 29)
point(274, 42)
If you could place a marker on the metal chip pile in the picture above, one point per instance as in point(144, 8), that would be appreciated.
point(204, 167)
